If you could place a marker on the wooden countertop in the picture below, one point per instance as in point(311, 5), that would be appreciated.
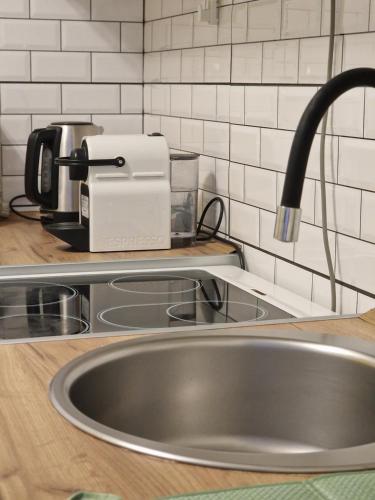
point(24, 242)
point(43, 457)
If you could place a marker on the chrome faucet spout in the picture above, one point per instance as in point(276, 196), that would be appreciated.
point(289, 213)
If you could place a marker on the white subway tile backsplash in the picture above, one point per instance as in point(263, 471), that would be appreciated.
point(204, 102)
point(247, 63)
point(171, 129)
point(260, 187)
point(192, 135)
point(245, 145)
point(244, 222)
point(264, 17)
point(61, 66)
point(151, 124)
point(204, 33)
point(347, 113)
point(152, 9)
point(207, 173)
point(293, 278)
point(364, 303)
point(239, 23)
point(359, 50)
point(236, 181)
point(131, 98)
point(171, 7)
point(237, 104)
point(131, 37)
point(152, 67)
point(14, 8)
point(120, 68)
point(120, 124)
point(356, 163)
point(161, 34)
point(14, 66)
point(189, 5)
point(21, 98)
point(369, 113)
point(223, 103)
point(212, 215)
point(14, 129)
point(301, 18)
point(292, 103)
point(40, 121)
point(346, 299)
point(331, 158)
point(63, 9)
point(25, 34)
point(90, 36)
point(13, 160)
point(280, 61)
point(147, 36)
point(260, 263)
point(216, 139)
point(117, 10)
point(275, 149)
point(367, 216)
point(91, 98)
point(224, 34)
point(192, 65)
point(309, 249)
point(313, 59)
point(171, 66)
point(182, 31)
point(351, 16)
point(261, 104)
point(217, 64)
point(372, 16)
point(160, 99)
point(181, 100)
point(222, 177)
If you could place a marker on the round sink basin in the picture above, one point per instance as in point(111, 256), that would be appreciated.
point(272, 401)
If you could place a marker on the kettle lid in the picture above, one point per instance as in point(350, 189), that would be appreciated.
point(71, 123)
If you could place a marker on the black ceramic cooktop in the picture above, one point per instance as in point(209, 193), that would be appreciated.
point(96, 304)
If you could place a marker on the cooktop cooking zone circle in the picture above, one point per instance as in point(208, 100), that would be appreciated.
point(137, 284)
point(40, 325)
point(33, 293)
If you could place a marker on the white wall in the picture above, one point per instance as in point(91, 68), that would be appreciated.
point(234, 93)
point(63, 60)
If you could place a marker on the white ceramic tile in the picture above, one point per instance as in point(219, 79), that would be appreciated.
point(30, 98)
point(280, 62)
point(365, 303)
point(160, 99)
point(356, 162)
point(91, 98)
point(147, 37)
point(247, 63)
point(217, 64)
point(204, 102)
point(264, 20)
point(367, 217)
point(13, 160)
point(369, 113)
point(131, 98)
point(351, 16)
point(40, 121)
point(236, 181)
point(207, 173)
point(204, 33)
point(372, 16)
point(293, 278)
point(131, 37)
point(346, 299)
point(192, 65)
point(152, 9)
point(212, 215)
point(268, 242)
point(63, 9)
point(146, 99)
point(357, 262)
point(313, 59)
point(151, 124)
point(309, 249)
point(117, 10)
point(192, 135)
point(13, 185)
point(216, 139)
point(348, 113)
point(171, 66)
point(120, 124)
point(237, 104)
point(171, 7)
point(61, 67)
point(260, 187)
point(343, 209)
point(182, 31)
point(222, 177)
point(275, 148)
point(359, 50)
point(181, 100)
point(14, 129)
point(245, 145)
point(223, 98)
point(14, 8)
point(190, 5)
point(22, 34)
point(301, 18)
point(244, 222)
point(152, 67)
point(170, 128)
point(260, 263)
point(331, 158)
point(261, 106)
point(239, 23)
point(122, 68)
point(161, 34)
point(224, 34)
point(308, 197)
point(14, 66)
point(292, 103)
point(90, 36)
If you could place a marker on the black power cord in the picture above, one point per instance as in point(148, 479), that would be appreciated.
point(213, 234)
point(13, 208)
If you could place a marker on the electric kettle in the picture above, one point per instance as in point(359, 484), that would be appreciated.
point(55, 192)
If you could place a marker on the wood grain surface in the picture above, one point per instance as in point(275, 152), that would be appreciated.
point(24, 242)
point(43, 457)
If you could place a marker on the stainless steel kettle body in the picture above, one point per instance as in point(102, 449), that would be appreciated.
point(58, 196)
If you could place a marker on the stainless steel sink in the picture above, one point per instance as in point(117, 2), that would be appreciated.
point(273, 401)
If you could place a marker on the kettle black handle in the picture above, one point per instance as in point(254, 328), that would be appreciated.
point(36, 139)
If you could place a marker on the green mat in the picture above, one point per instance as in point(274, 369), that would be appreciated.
point(344, 486)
